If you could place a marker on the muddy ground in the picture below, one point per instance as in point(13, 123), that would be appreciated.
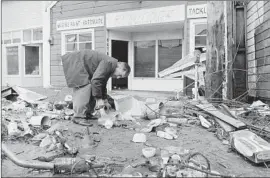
point(116, 144)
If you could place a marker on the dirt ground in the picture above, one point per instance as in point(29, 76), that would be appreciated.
point(116, 143)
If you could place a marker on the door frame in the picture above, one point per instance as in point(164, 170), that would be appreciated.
point(40, 61)
point(121, 36)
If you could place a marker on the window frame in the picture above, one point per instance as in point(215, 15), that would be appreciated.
point(32, 36)
point(156, 56)
point(40, 56)
point(72, 32)
point(19, 59)
point(193, 23)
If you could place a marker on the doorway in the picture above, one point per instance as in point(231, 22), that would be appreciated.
point(120, 52)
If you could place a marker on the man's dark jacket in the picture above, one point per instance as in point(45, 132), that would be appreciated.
point(88, 66)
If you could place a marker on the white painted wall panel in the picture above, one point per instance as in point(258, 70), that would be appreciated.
point(157, 84)
point(21, 14)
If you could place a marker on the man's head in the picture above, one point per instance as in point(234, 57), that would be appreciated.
point(122, 70)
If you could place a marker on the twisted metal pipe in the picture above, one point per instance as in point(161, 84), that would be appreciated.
point(26, 164)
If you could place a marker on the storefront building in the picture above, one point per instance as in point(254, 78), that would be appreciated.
point(150, 36)
point(22, 43)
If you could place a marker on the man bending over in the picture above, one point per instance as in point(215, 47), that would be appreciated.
point(87, 72)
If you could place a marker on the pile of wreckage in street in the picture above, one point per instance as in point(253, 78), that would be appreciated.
point(27, 118)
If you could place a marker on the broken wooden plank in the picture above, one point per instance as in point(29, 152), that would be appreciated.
point(28, 96)
point(186, 72)
point(227, 127)
point(175, 69)
point(185, 63)
point(226, 109)
point(6, 91)
point(208, 107)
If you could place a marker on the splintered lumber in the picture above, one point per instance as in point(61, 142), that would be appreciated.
point(187, 61)
point(226, 109)
point(28, 96)
point(208, 107)
point(225, 126)
point(190, 72)
point(6, 91)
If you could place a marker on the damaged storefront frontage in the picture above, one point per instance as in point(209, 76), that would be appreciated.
point(150, 37)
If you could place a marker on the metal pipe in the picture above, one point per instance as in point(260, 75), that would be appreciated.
point(25, 164)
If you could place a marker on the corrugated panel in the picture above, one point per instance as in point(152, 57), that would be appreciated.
point(21, 14)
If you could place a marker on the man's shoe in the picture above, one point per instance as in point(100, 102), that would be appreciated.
point(82, 121)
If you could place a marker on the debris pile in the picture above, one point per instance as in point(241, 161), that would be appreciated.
point(41, 123)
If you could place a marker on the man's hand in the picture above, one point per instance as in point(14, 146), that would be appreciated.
point(103, 103)
point(100, 103)
point(107, 104)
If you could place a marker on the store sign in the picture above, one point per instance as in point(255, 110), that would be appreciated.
point(146, 16)
point(197, 11)
point(88, 22)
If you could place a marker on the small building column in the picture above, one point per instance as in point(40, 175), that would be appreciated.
point(46, 47)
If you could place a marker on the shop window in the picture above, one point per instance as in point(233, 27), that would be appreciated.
point(12, 60)
point(200, 36)
point(144, 59)
point(169, 52)
point(6, 38)
point(78, 41)
point(32, 64)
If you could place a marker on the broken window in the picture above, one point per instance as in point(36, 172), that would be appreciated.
point(169, 52)
point(78, 41)
point(144, 57)
point(32, 60)
point(12, 60)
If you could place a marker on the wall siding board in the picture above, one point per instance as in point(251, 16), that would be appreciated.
point(250, 5)
point(263, 93)
point(258, 21)
point(263, 52)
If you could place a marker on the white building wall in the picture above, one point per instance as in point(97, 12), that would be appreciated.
point(21, 14)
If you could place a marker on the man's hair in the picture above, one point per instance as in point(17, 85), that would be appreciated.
point(126, 68)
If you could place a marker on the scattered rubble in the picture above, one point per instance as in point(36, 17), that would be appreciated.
point(139, 138)
point(42, 122)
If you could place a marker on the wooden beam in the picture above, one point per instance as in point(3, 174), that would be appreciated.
point(186, 72)
point(215, 49)
point(186, 62)
point(208, 107)
point(225, 126)
point(229, 48)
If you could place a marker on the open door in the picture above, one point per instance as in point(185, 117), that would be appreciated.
point(120, 52)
